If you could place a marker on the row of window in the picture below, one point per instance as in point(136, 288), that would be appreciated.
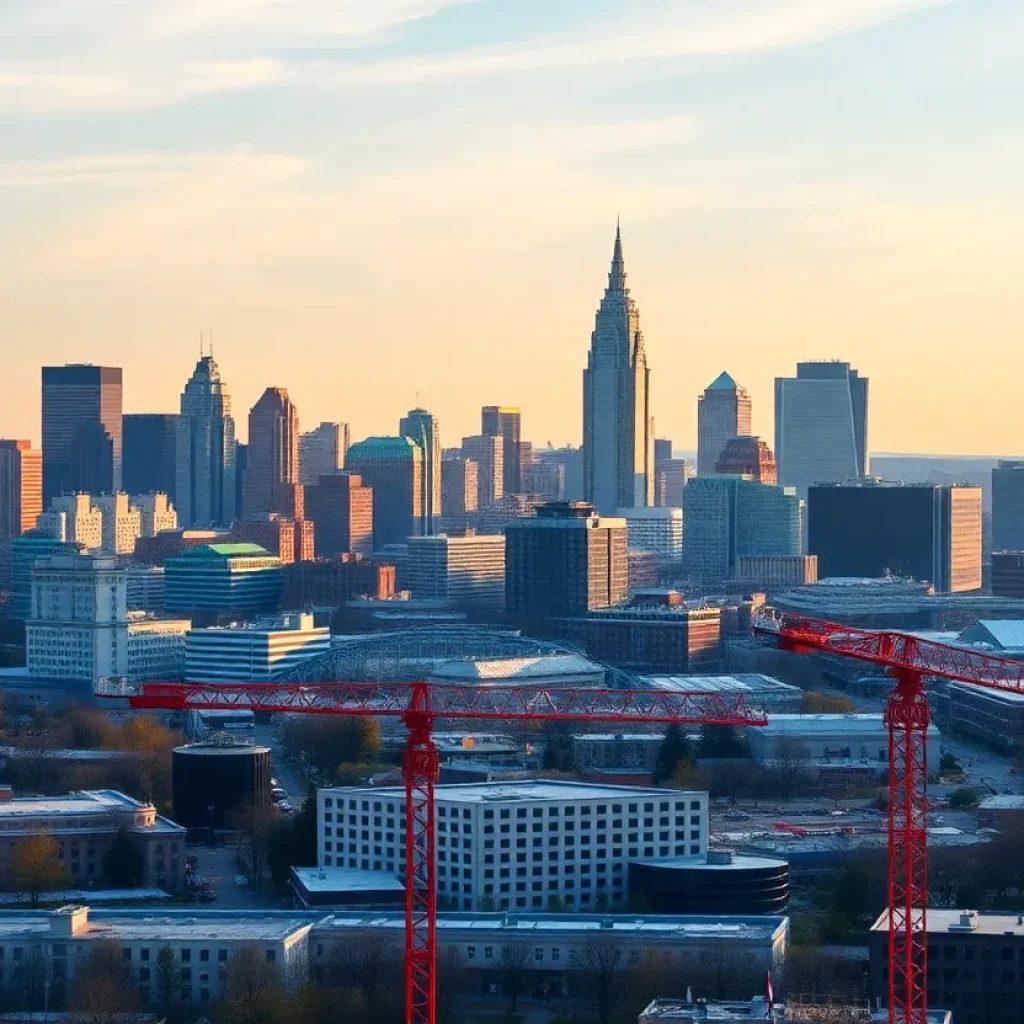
point(585, 810)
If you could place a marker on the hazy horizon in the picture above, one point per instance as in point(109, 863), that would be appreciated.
point(384, 203)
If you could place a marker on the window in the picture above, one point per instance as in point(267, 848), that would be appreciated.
point(556, 954)
point(271, 955)
point(222, 956)
point(471, 952)
point(488, 952)
point(538, 955)
point(186, 974)
point(186, 956)
point(127, 952)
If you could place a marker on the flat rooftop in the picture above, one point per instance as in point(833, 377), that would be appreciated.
point(667, 926)
point(542, 666)
point(96, 801)
point(526, 789)
point(328, 880)
point(743, 682)
point(1002, 802)
point(950, 922)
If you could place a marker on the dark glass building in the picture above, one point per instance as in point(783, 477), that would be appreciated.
point(81, 430)
point(923, 531)
point(231, 580)
point(150, 453)
point(566, 560)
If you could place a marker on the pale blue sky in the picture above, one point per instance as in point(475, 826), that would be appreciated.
point(422, 194)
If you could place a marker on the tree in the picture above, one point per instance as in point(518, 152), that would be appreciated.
point(124, 864)
point(686, 776)
point(721, 741)
point(792, 762)
point(515, 961)
point(450, 980)
point(167, 981)
point(963, 798)
point(36, 865)
point(252, 992)
point(254, 825)
point(813, 703)
point(674, 749)
point(603, 964)
point(366, 965)
point(103, 988)
point(558, 753)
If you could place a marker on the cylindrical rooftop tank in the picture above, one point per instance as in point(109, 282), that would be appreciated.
point(211, 780)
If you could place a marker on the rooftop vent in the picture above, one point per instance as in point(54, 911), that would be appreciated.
point(968, 922)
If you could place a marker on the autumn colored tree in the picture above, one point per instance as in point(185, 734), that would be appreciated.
point(36, 865)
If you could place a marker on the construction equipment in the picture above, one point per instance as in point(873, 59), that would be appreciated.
point(419, 706)
point(909, 660)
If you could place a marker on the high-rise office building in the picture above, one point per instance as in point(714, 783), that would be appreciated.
point(205, 492)
point(21, 487)
point(727, 517)
point(26, 550)
point(544, 479)
point(723, 411)
point(122, 524)
point(272, 476)
point(425, 430)
point(748, 456)
point(341, 506)
point(821, 425)
point(233, 580)
point(393, 468)
point(74, 517)
point(662, 449)
point(1008, 506)
point(322, 451)
point(241, 472)
point(156, 513)
point(564, 561)
point(459, 484)
point(669, 480)
point(506, 422)
point(925, 531)
point(81, 429)
point(571, 461)
point(489, 455)
point(151, 453)
point(466, 571)
point(618, 442)
point(657, 531)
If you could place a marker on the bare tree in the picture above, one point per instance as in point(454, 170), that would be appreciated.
point(167, 980)
point(603, 963)
point(103, 989)
point(515, 961)
point(792, 763)
point(451, 976)
point(368, 965)
point(254, 825)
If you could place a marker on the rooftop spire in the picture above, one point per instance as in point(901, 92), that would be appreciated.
point(617, 275)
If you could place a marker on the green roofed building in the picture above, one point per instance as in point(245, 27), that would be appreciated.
point(393, 467)
point(242, 579)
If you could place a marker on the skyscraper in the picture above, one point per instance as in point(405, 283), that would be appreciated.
point(151, 453)
point(925, 531)
point(81, 429)
point(1008, 506)
point(747, 456)
point(205, 489)
point(489, 455)
point(21, 487)
point(322, 451)
point(459, 484)
point(272, 478)
point(341, 506)
point(618, 442)
point(723, 411)
point(727, 517)
point(566, 561)
point(821, 425)
point(393, 467)
point(506, 422)
point(425, 430)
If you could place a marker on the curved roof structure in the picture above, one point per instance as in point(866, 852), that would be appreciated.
point(409, 655)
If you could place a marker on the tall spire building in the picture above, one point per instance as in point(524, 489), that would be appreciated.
point(204, 490)
point(618, 436)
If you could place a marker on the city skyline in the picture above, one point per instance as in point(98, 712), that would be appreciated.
point(759, 223)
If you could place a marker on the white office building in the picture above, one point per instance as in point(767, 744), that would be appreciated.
point(253, 651)
point(122, 524)
point(465, 571)
point(156, 513)
point(520, 845)
point(658, 531)
point(79, 626)
point(72, 517)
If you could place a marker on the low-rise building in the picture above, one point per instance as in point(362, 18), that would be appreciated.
point(705, 1011)
point(994, 716)
point(547, 670)
point(518, 845)
point(331, 582)
point(464, 571)
point(973, 963)
point(761, 691)
point(253, 651)
point(829, 739)
point(85, 825)
point(241, 580)
point(636, 751)
point(773, 573)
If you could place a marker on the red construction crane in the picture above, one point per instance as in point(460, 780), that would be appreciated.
point(420, 705)
point(908, 659)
